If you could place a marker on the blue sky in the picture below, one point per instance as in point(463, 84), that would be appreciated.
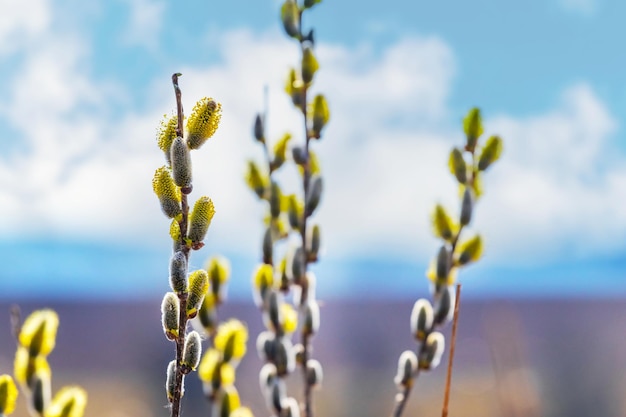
point(85, 85)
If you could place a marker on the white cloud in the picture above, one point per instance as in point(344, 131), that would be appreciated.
point(561, 182)
point(583, 7)
point(558, 188)
point(20, 21)
point(145, 22)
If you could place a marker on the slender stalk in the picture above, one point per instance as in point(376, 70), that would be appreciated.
point(401, 400)
point(455, 322)
point(182, 297)
point(306, 179)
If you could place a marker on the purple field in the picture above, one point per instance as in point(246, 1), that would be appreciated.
point(523, 358)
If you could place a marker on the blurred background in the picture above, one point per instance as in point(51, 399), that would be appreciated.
point(83, 86)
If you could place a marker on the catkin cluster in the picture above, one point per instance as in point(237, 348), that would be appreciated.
point(36, 340)
point(172, 183)
point(288, 223)
point(467, 165)
point(218, 364)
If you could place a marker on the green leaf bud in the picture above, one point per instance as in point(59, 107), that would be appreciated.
point(268, 246)
point(311, 318)
point(467, 206)
point(457, 165)
point(290, 15)
point(444, 305)
point(275, 199)
point(314, 195)
point(280, 151)
point(203, 122)
point(178, 272)
point(407, 367)
point(443, 226)
point(470, 250)
point(321, 115)
point(200, 219)
point(314, 373)
point(255, 180)
point(491, 152)
point(313, 243)
point(431, 352)
point(8, 395)
point(473, 127)
point(191, 352)
point(168, 193)
point(198, 287)
point(170, 381)
point(309, 65)
point(422, 317)
point(443, 264)
point(181, 164)
point(166, 133)
point(170, 311)
point(259, 129)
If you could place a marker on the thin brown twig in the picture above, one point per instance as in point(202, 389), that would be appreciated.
point(308, 389)
point(182, 297)
point(455, 322)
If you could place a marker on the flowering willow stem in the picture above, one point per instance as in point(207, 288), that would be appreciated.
point(308, 392)
point(182, 297)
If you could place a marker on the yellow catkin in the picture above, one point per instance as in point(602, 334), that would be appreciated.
point(166, 133)
point(198, 287)
point(320, 115)
point(168, 193)
point(200, 219)
point(231, 339)
point(289, 318)
point(8, 395)
point(203, 122)
point(68, 402)
point(39, 331)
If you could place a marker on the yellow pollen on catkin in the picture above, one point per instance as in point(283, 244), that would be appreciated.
point(39, 331)
point(8, 395)
point(231, 339)
point(166, 133)
point(203, 122)
point(68, 402)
